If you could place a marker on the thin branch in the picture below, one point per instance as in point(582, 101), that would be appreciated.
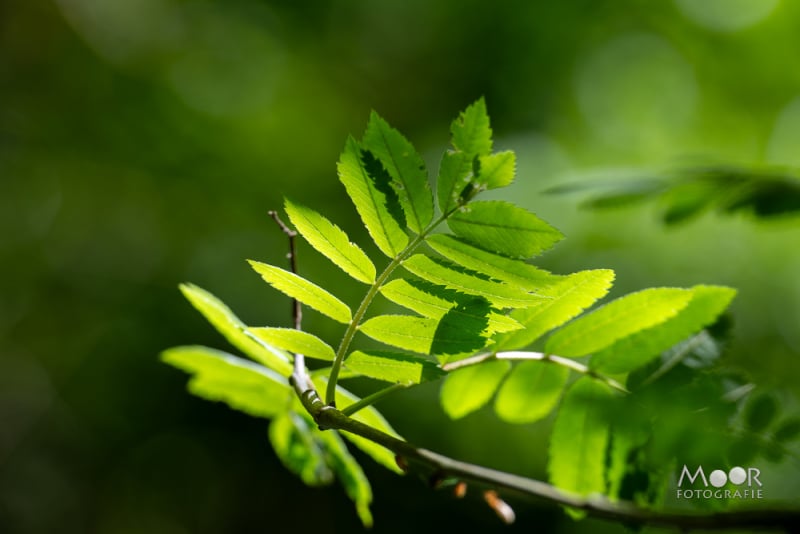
point(300, 379)
point(433, 465)
point(539, 356)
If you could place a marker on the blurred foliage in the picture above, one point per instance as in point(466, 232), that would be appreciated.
point(143, 141)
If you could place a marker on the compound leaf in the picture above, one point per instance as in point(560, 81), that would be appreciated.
point(530, 391)
point(296, 341)
point(393, 367)
point(406, 168)
point(373, 197)
point(570, 296)
point(468, 389)
point(233, 329)
point(452, 335)
point(504, 228)
point(332, 242)
point(241, 384)
point(306, 292)
point(471, 131)
point(705, 305)
point(618, 319)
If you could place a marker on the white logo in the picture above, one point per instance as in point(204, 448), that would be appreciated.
point(738, 476)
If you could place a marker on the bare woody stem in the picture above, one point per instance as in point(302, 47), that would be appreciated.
point(434, 466)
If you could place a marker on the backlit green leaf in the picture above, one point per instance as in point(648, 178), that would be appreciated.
point(455, 172)
point(706, 304)
point(331, 241)
point(233, 329)
point(393, 367)
point(496, 170)
point(499, 293)
point(471, 131)
point(296, 341)
point(530, 391)
point(406, 168)
point(306, 292)
point(449, 336)
point(504, 228)
point(371, 198)
point(241, 384)
point(434, 301)
point(299, 449)
point(570, 296)
point(580, 438)
point(515, 272)
point(470, 388)
point(618, 319)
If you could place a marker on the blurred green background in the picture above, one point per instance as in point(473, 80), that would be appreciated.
point(142, 143)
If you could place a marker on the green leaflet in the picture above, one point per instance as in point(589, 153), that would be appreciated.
point(504, 228)
point(349, 473)
point(451, 336)
point(509, 270)
point(306, 292)
point(315, 456)
point(406, 168)
point(233, 329)
point(299, 449)
point(580, 438)
point(455, 171)
point(618, 319)
point(241, 384)
point(498, 293)
point(705, 305)
point(393, 367)
point(435, 301)
point(331, 241)
point(468, 389)
point(570, 296)
point(471, 131)
point(296, 341)
point(372, 198)
point(369, 416)
point(495, 170)
point(530, 391)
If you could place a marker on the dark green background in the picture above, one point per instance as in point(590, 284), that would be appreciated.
point(143, 141)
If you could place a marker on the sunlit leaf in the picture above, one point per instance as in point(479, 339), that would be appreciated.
point(434, 301)
point(233, 329)
point(530, 391)
point(496, 170)
point(455, 172)
point(296, 341)
point(306, 292)
point(620, 318)
point(470, 388)
point(371, 198)
point(452, 335)
point(471, 131)
point(393, 367)
point(570, 296)
point(504, 228)
point(512, 271)
point(580, 438)
point(241, 384)
point(330, 241)
point(406, 168)
point(499, 293)
point(628, 353)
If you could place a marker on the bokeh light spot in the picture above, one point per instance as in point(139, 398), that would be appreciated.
point(726, 15)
